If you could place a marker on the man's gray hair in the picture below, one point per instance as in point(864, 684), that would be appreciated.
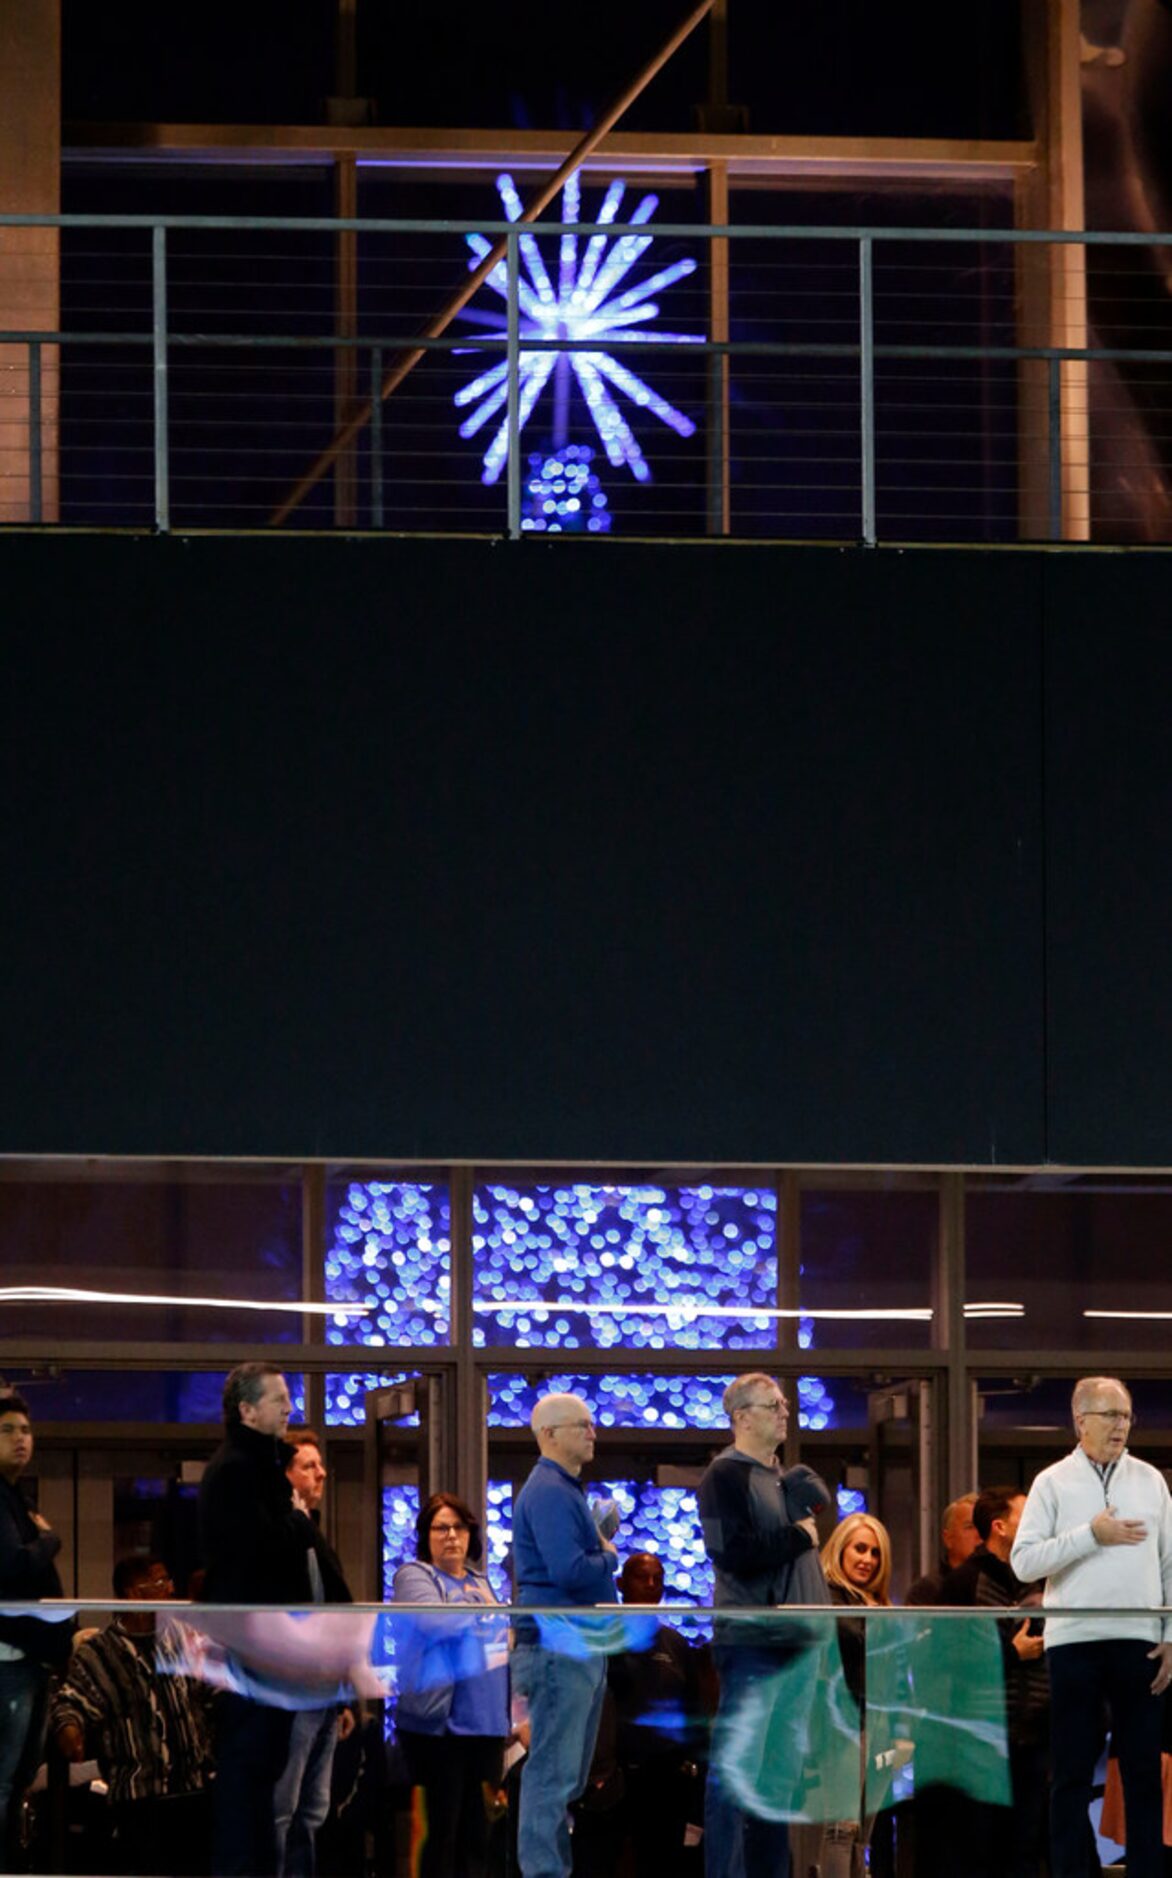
point(246, 1384)
point(953, 1510)
point(1088, 1386)
point(741, 1388)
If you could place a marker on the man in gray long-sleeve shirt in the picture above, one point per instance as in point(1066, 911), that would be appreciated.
point(754, 1546)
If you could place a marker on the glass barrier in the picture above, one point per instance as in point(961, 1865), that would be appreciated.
point(153, 1736)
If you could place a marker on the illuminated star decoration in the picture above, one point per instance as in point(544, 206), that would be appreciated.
point(587, 303)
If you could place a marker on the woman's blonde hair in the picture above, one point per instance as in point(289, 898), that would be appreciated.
point(879, 1589)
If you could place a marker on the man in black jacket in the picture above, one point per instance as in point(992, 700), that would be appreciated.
point(1015, 1839)
point(257, 1543)
point(29, 1648)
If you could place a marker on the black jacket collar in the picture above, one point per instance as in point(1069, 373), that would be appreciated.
point(259, 1448)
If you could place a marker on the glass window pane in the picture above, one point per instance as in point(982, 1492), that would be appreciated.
point(637, 1267)
point(1096, 1246)
point(345, 1396)
point(131, 1395)
point(173, 1239)
point(865, 1252)
point(683, 1402)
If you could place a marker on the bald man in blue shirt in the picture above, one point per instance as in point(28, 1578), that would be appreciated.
point(561, 1560)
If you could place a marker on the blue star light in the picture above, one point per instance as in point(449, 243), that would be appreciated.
point(586, 304)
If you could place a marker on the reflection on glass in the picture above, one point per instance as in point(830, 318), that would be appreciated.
point(803, 1745)
point(795, 1741)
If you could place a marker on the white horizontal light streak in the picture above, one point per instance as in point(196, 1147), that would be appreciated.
point(71, 1294)
point(686, 1308)
point(1152, 1317)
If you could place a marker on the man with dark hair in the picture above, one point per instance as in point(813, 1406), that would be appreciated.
point(1014, 1839)
point(29, 1648)
point(257, 1542)
point(302, 1795)
point(123, 1704)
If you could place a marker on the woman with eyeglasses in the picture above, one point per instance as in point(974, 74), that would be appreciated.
point(453, 1710)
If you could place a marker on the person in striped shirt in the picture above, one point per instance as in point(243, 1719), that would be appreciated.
point(122, 1705)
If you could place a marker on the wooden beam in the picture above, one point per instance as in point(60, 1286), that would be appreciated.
point(30, 166)
point(749, 158)
point(1054, 432)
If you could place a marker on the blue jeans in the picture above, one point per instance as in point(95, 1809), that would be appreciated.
point(565, 1702)
point(24, 1688)
point(301, 1797)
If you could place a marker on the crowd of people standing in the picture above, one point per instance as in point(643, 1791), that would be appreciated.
point(583, 1740)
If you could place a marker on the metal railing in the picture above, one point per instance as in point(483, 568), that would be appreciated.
point(878, 383)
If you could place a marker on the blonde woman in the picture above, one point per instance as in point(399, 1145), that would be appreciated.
point(857, 1562)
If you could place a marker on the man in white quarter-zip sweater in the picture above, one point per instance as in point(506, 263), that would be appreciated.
point(1097, 1527)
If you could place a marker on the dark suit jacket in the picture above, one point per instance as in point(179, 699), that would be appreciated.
point(27, 1571)
point(253, 1541)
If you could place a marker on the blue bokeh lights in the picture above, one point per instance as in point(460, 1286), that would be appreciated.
point(562, 1267)
point(400, 1512)
point(664, 1520)
point(550, 1260)
point(616, 1401)
point(629, 1401)
point(562, 494)
point(390, 1247)
point(345, 1405)
point(850, 1500)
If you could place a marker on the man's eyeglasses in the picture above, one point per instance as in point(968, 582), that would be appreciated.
point(775, 1407)
point(586, 1427)
point(1118, 1416)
